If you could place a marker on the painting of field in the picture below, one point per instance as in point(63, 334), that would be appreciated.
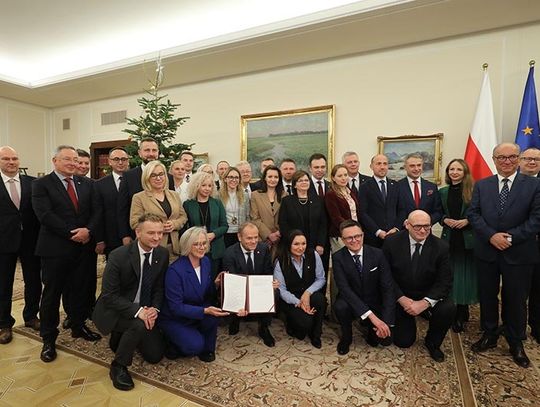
point(290, 134)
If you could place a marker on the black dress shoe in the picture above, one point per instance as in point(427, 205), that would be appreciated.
point(458, 326)
point(114, 340)
point(207, 357)
point(86, 333)
point(234, 327)
point(484, 343)
point(371, 339)
point(267, 337)
point(519, 355)
point(121, 379)
point(316, 342)
point(343, 347)
point(536, 335)
point(67, 323)
point(435, 352)
point(48, 352)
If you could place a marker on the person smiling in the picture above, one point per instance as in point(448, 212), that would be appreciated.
point(236, 203)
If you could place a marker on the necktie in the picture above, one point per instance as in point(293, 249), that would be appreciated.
point(354, 190)
point(416, 194)
point(187, 178)
point(503, 196)
point(14, 194)
point(119, 182)
point(289, 189)
point(415, 258)
point(146, 285)
point(72, 194)
point(319, 189)
point(357, 263)
point(249, 264)
point(383, 189)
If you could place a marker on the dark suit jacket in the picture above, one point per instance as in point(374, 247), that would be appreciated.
point(362, 178)
point(375, 212)
point(20, 227)
point(256, 186)
point(58, 216)
point(338, 210)
point(430, 200)
point(313, 188)
point(433, 278)
point(520, 218)
point(290, 217)
point(373, 289)
point(105, 200)
point(121, 282)
point(234, 260)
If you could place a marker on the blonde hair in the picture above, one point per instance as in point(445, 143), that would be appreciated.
point(189, 237)
point(196, 181)
point(147, 171)
point(206, 168)
point(223, 192)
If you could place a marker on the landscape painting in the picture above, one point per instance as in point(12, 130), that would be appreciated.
point(292, 134)
point(397, 148)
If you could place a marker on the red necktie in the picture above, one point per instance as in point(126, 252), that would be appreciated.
point(72, 194)
point(320, 190)
point(416, 194)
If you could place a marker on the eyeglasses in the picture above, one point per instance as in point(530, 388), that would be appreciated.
point(418, 228)
point(349, 239)
point(118, 159)
point(70, 160)
point(232, 178)
point(159, 175)
point(502, 158)
point(200, 245)
point(530, 159)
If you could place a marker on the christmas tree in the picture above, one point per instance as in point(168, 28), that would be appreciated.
point(158, 121)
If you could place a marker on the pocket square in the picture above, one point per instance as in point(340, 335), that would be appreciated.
point(373, 269)
point(429, 192)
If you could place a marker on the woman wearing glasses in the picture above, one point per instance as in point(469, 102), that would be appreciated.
point(455, 198)
point(156, 198)
point(188, 318)
point(236, 203)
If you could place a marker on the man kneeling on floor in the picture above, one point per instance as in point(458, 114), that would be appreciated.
point(131, 296)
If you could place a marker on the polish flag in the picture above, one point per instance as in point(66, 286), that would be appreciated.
point(482, 138)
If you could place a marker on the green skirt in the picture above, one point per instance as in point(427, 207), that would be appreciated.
point(465, 287)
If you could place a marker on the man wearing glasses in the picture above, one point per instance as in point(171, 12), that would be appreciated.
point(505, 215)
point(366, 290)
point(421, 271)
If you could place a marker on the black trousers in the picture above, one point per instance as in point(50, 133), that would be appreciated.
point(264, 320)
point(304, 324)
point(516, 283)
point(135, 336)
point(442, 317)
point(534, 300)
point(31, 268)
point(89, 284)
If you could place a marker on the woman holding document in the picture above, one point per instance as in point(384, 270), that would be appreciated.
point(301, 277)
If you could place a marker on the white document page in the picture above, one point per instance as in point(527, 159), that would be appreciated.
point(261, 294)
point(234, 292)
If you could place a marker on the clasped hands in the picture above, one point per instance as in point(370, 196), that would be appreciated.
point(149, 316)
point(305, 304)
point(500, 240)
point(80, 235)
point(413, 307)
point(456, 223)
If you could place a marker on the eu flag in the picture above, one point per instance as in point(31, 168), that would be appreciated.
point(528, 131)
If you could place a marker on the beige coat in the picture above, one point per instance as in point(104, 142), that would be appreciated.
point(264, 215)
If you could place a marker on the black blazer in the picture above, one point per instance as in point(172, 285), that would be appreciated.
point(20, 227)
point(106, 201)
point(121, 282)
point(433, 278)
point(290, 217)
point(58, 216)
point(430, 201)
point(313, 189)
point(373, 289)
point(520, 218)
point(256, 186)
point(362, 178)
point(376, 213)
point(234, 260)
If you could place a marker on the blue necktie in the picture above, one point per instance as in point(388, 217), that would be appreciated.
point(146, 285)
point(503, 196)
point(383, 189)
point(357, 263)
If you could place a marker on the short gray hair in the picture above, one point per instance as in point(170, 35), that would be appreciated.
point(189, 237)
point(63, 147)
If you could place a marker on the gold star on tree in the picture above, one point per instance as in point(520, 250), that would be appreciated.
point(527, 131)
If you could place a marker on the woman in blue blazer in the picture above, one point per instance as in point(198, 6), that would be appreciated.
point(188, 319)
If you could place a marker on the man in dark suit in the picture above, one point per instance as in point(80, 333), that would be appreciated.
point(423, 280)
point(287, 168)
point(20, 229)
point(505, 215)
point(416, 192)
point(63, 204)
point(378, 199)
point(250, 257)
point(366, 289)
point(265, 162)
point(131, 296)
point(352, 163)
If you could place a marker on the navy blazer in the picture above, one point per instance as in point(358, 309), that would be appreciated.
point(105, 200)
point(58, 215)
point(234, 260)
point(186, 297)
point(373, 289)
point(377, 213)
point(430, 201)
point(520, 218)
point(313, 190)
point(20, 227)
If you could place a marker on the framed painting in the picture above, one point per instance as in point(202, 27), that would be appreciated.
point(199, 159)
point(397, 148)
point(292, 134)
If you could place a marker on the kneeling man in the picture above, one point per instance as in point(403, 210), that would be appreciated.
point(423, 280)
point(131, 297)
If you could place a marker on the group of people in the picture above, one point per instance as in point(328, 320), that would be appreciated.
point(169, 234)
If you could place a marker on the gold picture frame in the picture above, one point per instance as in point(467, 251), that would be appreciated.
point(199, 159)
point(292, 134)
point(396, 148)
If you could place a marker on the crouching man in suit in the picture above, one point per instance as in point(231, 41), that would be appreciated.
point(366, 289)
point(423, 280)
point(131, 296)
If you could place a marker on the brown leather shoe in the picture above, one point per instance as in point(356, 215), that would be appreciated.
point(33, 323)
point(5, 335)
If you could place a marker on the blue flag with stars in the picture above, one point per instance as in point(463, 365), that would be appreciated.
point(528, 131)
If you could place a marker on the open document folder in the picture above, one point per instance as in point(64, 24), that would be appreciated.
point(255, 294)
